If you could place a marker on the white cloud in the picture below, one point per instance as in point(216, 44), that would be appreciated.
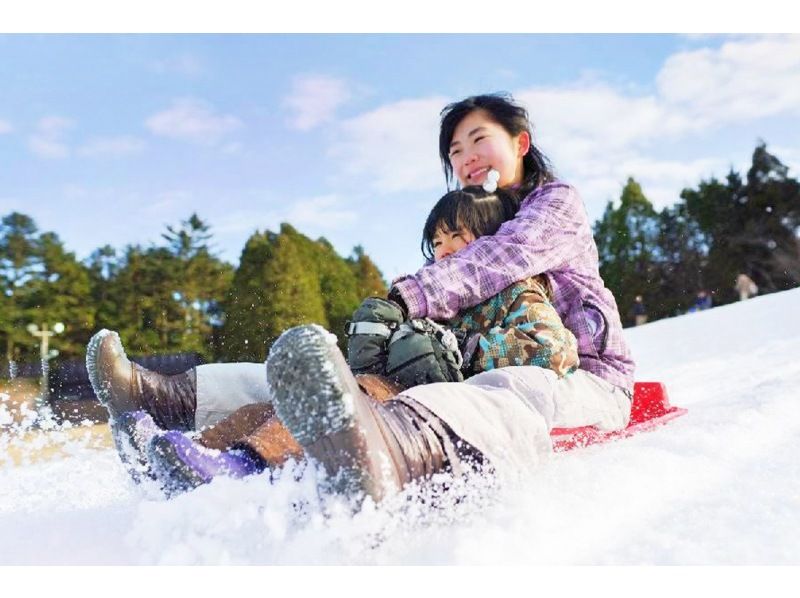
point(5, 127)
point(670, 170)
point(48, 139)
point(72, 191)
point(192, 120)
point(234, 222)
point(112, 146)
point(661, 180)
point(7, 203)
point(232, 148)
point(597, 133)
point(587, 117)
point(392, 148)
point(183, 64)
point(165, 204)
point(744, 79)
point(601, 135)
point(47, 148)
point(312, 216)
point(314, 99)
point(598, 136)
point(322, 213)
point(790, 156)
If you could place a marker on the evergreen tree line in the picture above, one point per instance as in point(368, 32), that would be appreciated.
point(715, 232)
point(180, 297)
point(177, 296)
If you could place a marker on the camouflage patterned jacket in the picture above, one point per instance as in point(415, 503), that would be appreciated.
point(519, 326)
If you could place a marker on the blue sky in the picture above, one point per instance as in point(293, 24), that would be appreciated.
point(106, 139)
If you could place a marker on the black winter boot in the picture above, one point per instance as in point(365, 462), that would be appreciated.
point(366, 447)
point(123, 386)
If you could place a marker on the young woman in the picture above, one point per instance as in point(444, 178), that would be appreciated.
point(501, 417)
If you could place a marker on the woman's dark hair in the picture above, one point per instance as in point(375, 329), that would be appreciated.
point(478, 211)
point(503, 109)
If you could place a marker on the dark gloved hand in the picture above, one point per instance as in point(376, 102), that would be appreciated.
point(468, 345)
point(368, 334)
point(396, 297)
point(421, 352)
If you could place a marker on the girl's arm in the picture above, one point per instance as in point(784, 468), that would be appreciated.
point(531, 333)
point(549, 229)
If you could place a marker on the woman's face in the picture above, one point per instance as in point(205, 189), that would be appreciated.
point(446, 242)
point(480, 144)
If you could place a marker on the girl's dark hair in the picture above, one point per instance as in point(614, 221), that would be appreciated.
point(476, 210)
point(504, 110)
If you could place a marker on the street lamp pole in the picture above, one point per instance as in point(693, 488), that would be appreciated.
point(46, 355)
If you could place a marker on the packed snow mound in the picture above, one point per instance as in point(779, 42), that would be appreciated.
point(720, 485)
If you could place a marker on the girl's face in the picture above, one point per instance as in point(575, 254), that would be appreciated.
point(480, 144)
point(446, 242)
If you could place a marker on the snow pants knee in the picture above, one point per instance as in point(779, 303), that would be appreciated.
point(507, 413)
point(224, 387)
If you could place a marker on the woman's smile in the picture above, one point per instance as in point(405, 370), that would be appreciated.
point(479, 144)
point(478, 173)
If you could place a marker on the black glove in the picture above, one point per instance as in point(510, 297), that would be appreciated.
point(421, 352)
point(368, 334)
point(468, 345)
point(396, 297)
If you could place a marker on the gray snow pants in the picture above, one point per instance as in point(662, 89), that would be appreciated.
point(506, 414)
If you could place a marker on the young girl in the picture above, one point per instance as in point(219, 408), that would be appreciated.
point(519, 325)
point(503, 415)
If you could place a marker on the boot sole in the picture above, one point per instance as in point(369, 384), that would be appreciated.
point(132, 452)
point(175, 478)
point(318, 407)
point(101, 390)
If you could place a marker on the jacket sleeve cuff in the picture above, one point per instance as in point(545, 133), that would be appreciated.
point(412, 295)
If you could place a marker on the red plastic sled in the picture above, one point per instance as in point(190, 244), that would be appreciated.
point(650, 409)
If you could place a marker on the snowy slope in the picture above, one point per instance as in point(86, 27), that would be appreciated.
point(720, 485)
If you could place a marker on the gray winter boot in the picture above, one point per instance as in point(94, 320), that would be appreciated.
point(367, 448)
point(123, 386)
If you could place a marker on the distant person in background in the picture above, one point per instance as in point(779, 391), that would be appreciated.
point(701, 302)
point(745, 287)
point(639, 311)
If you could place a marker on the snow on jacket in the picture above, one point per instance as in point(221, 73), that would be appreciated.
point(519, 326)
point(550, 235)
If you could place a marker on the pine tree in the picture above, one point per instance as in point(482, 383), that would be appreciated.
point(772, 223)
point(42, 284)
point(245, 305)
point(148, 317)
point(749, 227)
point(680, 261)
point(200, 285)
point(61, 292)
point(103, 266)
point(625, 238)
point(337, 281)
point(274, 288)
point(369, 278)
point(19, 262)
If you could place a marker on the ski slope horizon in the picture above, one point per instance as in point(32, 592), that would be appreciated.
point(717, 486)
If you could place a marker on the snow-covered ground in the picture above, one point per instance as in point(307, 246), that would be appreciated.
point(720, 485)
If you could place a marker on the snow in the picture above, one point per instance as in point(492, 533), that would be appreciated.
point(718, 486)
